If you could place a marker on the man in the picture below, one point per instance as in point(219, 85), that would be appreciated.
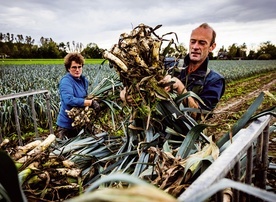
point(195, 75)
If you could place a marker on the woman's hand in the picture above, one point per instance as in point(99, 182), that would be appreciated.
point(92, 103)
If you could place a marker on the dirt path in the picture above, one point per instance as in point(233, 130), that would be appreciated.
point(235, 103)
point(242, 94)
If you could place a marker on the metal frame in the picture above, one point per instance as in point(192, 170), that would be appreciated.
point(251, 143)
point(14, 97)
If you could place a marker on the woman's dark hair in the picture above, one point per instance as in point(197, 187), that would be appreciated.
point(77, 57)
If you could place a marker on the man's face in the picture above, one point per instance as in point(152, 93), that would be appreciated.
point(200, 44)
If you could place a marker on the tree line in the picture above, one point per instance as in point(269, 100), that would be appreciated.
point(266, 51)
point(19, 46)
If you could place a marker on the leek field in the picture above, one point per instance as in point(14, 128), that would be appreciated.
point(22, 77)
point(159, 148)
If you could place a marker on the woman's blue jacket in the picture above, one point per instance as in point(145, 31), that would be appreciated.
point(73, 92)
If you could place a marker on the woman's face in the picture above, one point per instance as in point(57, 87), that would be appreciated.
point(75, 69)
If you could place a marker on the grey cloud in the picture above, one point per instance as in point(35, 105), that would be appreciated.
point(100, 20)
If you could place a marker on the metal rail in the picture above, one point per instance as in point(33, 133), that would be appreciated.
point(14, 98)
point(251, 147)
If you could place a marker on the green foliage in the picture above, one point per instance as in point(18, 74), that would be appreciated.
point(236, 51)
point(128, 150)
point(18, 46)
point(267, 50)
point(19, 78)
point(8, 61)
point(264, 57)
point(92, 51)
point(236, 69)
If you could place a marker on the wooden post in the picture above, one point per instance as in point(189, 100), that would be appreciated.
point(1, 136)
point(34, 116)
point(237, 179)
point(249, 166)
point(249, 170)
point(47, 94)
point(17, 124)
point(265, 157)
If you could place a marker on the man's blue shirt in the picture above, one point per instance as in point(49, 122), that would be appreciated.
point(208, 84)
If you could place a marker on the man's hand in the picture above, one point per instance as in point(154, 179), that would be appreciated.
point(176, 84)
point(180, 88)
point(125, 98)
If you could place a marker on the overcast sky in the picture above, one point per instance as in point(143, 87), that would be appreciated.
point(102, 21)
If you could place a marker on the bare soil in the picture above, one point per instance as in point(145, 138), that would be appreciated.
point(229, 110)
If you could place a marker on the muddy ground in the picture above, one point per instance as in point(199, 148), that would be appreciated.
point(229, 110)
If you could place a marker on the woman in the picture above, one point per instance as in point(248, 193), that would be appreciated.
point(73, 88)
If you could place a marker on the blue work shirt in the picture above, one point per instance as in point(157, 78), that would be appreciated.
point(208, 84)
point(170, 62)
point(73, 92)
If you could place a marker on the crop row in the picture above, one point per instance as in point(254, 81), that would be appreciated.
point(236, 69)
point(21, 78)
